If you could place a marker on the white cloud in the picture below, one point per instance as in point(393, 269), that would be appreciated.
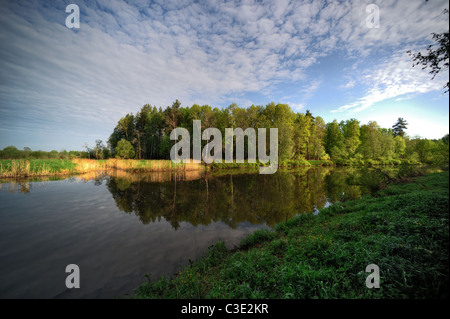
point(128, 54)
point(395, 77)
point(349, 84)
point(297, 107)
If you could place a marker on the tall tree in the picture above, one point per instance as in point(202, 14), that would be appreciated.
point(302, 135)
point(126, 125)
point(318, 148)
point(399, 145)
point(312, 133)
point(172, 115)
point(283, 119)
point(351, 131)
point(371, 140)
point(334, 141)
point(137, 138)
point(399, 127)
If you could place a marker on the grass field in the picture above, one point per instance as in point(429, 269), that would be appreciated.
point(403, 229)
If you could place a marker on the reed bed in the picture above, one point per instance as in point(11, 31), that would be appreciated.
point(35, 167)
point(152, 165)
point(39, 167)
point(88, 165)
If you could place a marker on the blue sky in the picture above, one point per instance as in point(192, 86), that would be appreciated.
point(61, 87)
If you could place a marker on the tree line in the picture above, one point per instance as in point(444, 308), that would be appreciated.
point(301, 136)
point(12, 152)
point(99, 151)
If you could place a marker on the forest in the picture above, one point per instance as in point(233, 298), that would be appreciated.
point(301, 136)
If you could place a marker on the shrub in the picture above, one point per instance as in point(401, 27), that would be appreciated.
point(124, 149)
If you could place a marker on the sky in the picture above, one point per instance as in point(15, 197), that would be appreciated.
point(63, 87)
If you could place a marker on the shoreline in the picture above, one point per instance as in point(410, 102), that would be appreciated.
point(25, 168)
point(403, 229)
point(37, 168)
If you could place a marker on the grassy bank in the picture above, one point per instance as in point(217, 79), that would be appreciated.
point(50, 167)
point(403, 229)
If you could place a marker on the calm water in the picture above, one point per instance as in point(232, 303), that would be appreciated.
point(118, 227)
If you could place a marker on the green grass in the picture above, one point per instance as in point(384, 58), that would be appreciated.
point(403, 229)
point(52, 165)
point(35, 167)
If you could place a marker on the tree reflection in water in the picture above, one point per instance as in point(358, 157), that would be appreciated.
point(230, 198)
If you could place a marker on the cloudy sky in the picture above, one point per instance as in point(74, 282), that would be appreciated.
point(61, 87)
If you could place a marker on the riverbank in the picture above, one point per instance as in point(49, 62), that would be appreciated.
point(58, 167)
point(20, 168)
point(309, 163)
point(403, 229)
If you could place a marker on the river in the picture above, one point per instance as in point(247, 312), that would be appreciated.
point(117, 226)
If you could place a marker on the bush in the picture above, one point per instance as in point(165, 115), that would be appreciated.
point(124, 149)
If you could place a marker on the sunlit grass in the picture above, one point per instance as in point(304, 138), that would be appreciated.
point(152, 165)
point(35, 167)
point(41, 167)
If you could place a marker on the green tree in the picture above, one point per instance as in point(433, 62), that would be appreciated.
point(440, 152)
point(425, 149)
point(334, 141)
point(11, 152)
point(387, 144)
point(98, 149)
point(126, 125)
point(302, 134)
point(399, 146)
point(351, 132)
point(137, 141)
point(399, 127)
point(317, 146)
point(114, 138)
point(281, 116)
point(124, 149)
point(371, 141)
point(53, 154)
point(26, 151)
point(140, 137)
point(172, 115)
point(63, 154)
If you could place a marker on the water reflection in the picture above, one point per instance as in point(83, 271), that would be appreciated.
point(232, 198)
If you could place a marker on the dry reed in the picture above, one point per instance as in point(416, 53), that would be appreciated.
point(21, 168)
